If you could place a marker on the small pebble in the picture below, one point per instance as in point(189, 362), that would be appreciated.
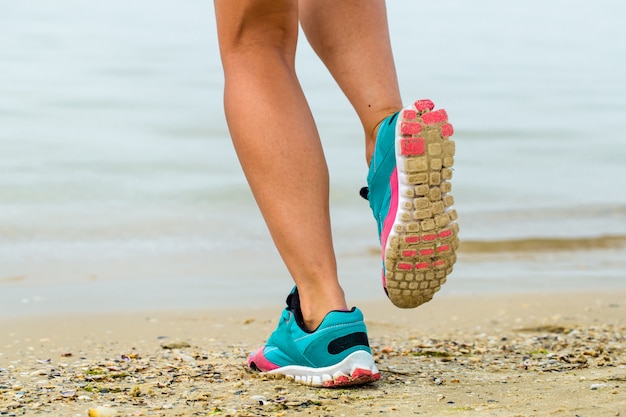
point(102, 412)
point(258, 398)
point(175, 345)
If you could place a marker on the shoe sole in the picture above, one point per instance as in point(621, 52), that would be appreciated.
point(358, 368)
point(420, 249)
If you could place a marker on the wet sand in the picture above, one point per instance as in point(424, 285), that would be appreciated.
point(558, 354)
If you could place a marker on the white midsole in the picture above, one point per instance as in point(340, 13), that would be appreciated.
point(356, 360)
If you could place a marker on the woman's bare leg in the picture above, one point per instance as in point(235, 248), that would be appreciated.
point(278, 144)
point(351, 37)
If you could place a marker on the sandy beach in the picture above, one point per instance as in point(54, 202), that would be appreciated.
point(561, 354)
point(125, 215)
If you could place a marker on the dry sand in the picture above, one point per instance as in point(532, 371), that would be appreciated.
point(555, 354)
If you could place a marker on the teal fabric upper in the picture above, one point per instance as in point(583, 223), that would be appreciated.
point(381, 167)
point(339, 334)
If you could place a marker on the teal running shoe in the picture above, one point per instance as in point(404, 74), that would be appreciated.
point(336, 354)
point(409, 193)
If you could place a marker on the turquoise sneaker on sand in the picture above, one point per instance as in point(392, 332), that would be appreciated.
point(336, 354)
point(409, 193)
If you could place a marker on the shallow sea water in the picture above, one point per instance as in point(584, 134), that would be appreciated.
point(120, 190)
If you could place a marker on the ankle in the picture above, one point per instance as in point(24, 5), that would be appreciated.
point(315, 307)
point(372, 135)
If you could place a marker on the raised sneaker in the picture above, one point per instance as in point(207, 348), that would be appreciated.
point(409, 193)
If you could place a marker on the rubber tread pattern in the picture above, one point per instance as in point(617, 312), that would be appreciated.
point(421, 248)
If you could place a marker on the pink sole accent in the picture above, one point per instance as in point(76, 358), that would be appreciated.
point(409, 253)
point(422, 265)
point(393, 210)
point(404, 266)
point(358, 377)
point(443, 248)
point(259, 360)
point(429, 237)
point(412, 146)
point(409, 114)
point(447, 130)
point(359, 373)
point(436, 116)
point(439, 263)
point(342, 380)
point(412, 239)
point(427, 252)
point(410, 128)
point(425, 104)
point(445, 233)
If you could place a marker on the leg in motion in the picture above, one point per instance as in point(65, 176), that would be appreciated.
point(280, 151)
point(278, 145)
point(409, 151)
point(351, 37)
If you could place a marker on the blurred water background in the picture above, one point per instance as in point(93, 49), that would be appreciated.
point(120, 190)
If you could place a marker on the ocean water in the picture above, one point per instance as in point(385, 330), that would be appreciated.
point(120, 190)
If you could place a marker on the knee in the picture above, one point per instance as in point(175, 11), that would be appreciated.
point(259, 33)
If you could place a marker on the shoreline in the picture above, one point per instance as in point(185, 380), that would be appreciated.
point(103, 303)
point(501, 355)
point(150, 284)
